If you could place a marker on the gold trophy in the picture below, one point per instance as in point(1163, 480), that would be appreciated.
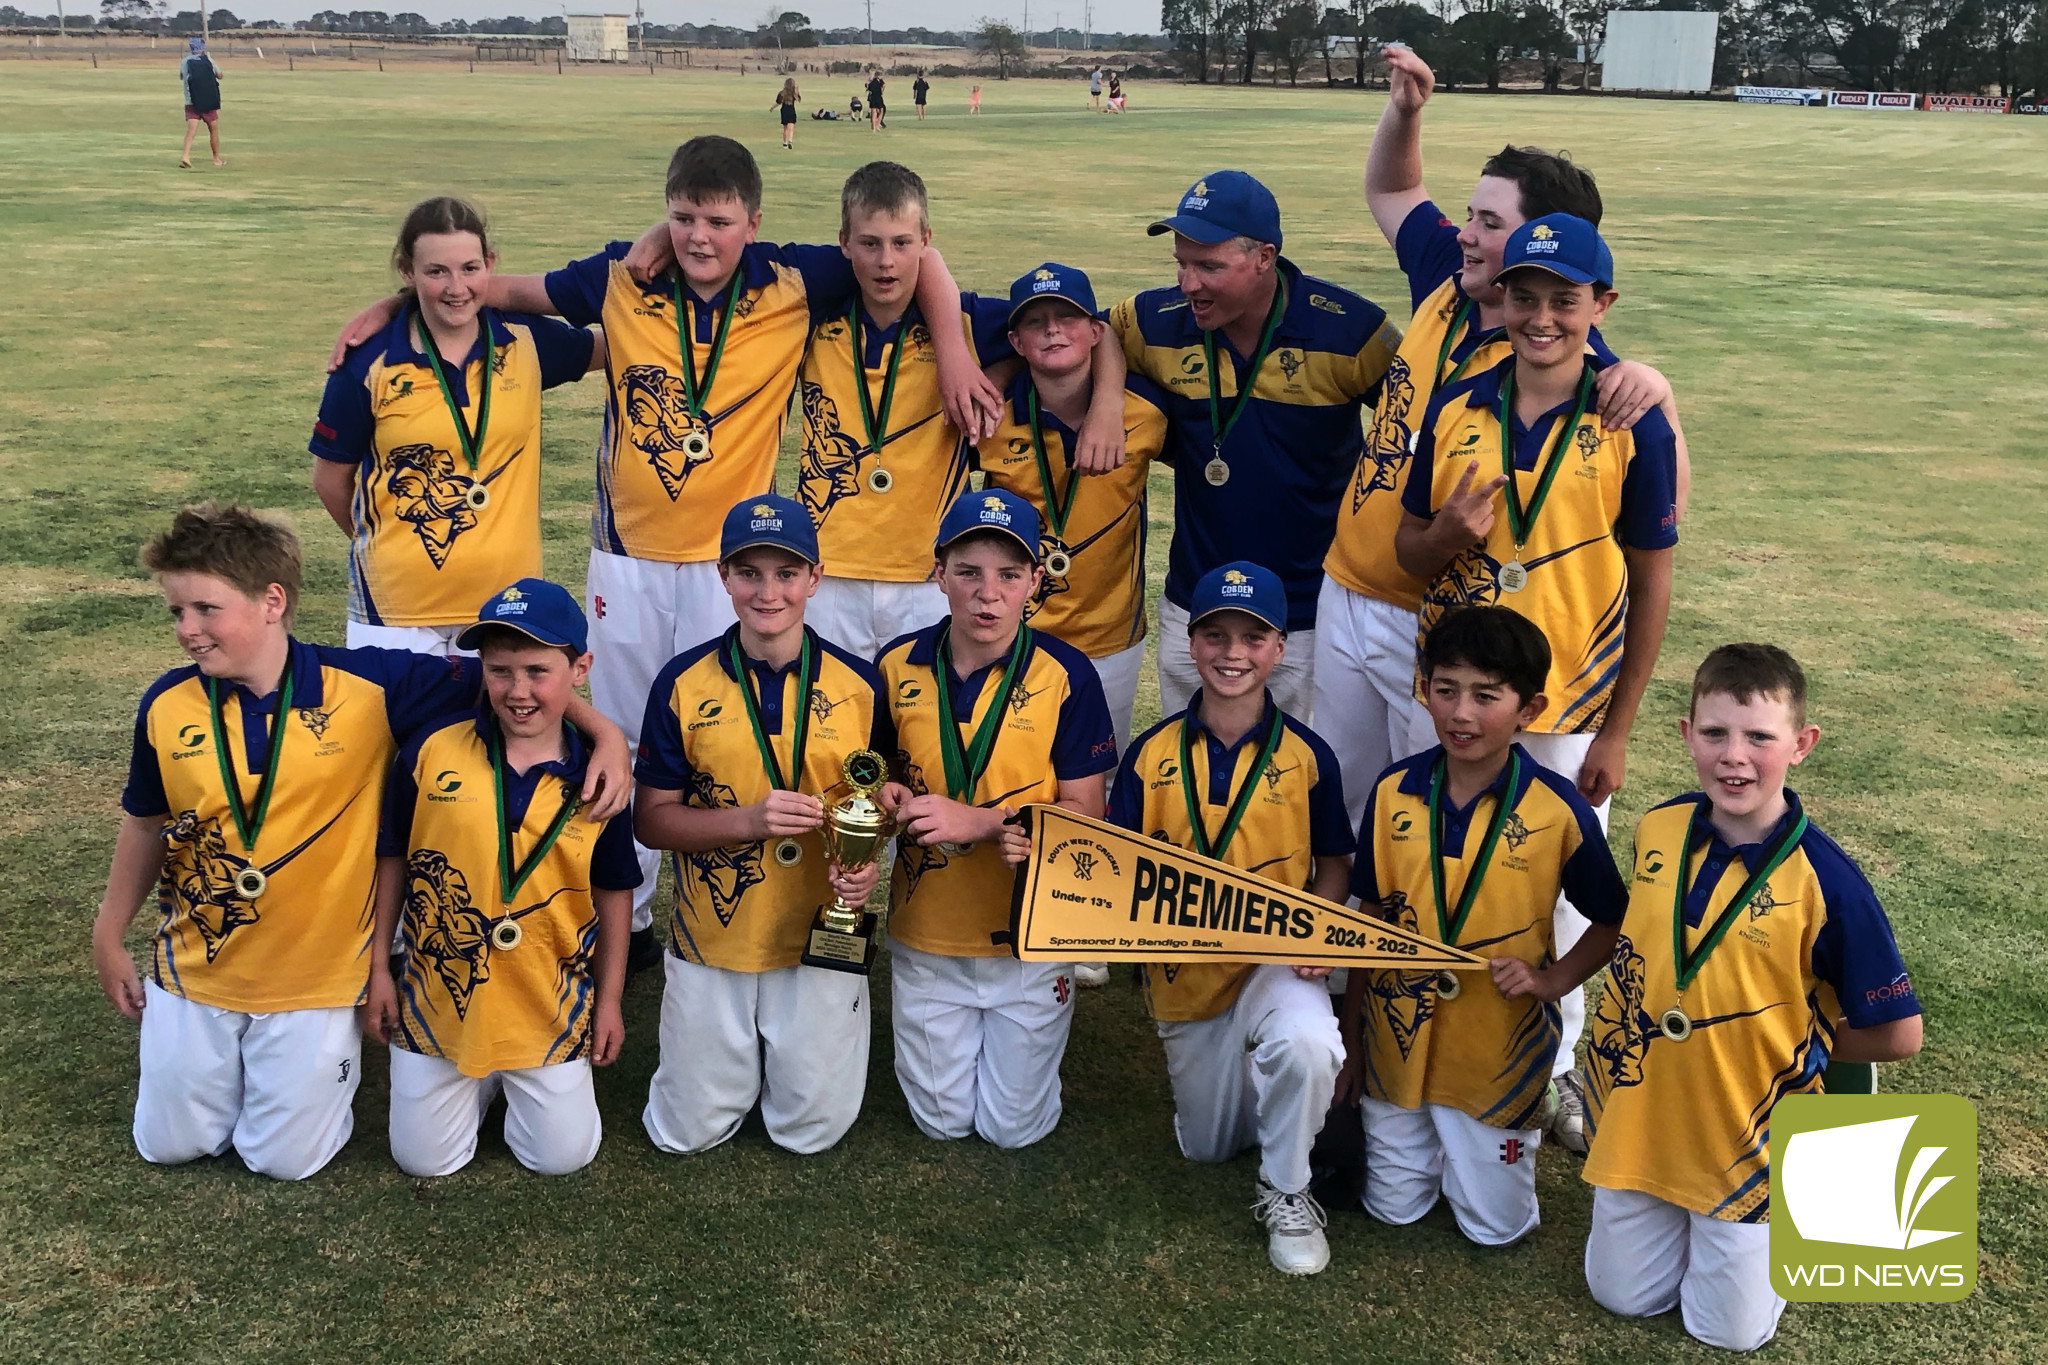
point(856, 831)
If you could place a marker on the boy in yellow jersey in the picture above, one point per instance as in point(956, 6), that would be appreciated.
point(514, 912)
point(1470, 842)
point(702, 359)
point(1366, 705)
point(1753, 953)
point(252, 805)
point(1252, 1050)
point(1580, 542)
point(741, 736)
point(881, 462)
point(989, 714)
point(427, 444)
point(1091, 526)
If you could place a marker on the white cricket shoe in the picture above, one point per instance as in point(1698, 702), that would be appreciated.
point(1294, 1230)
point(1091, 975)
point(1567, 1126)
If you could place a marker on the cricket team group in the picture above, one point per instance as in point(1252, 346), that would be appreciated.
point(1417, 585)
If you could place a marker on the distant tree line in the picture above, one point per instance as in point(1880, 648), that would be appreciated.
point(1938, 45)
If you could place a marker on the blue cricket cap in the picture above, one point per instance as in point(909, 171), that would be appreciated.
point(1222, 205)
point(1563, 244)
point(990, 509)
point(1052, 281)
point(768, 519)
point(1240, 586)
point(548, 612)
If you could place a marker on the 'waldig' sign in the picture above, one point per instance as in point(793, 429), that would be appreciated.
point(1095, 893)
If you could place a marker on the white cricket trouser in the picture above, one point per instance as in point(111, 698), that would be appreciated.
point(551, 1120)
point(436, 640)
point(1292, 681)
point(1488, 1173)
point(860, 615)
point(1260, 1073)
point(644, 612)
point(795, 1038)
point(1565, 755)
point(1365, 689)
point(279, 1087)
point(1645, 1256)
point(1119, 674)
point(979, 1042)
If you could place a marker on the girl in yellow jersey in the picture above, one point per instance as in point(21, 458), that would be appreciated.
point(428, 439)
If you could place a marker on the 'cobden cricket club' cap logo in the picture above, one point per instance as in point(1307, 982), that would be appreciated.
point(770, 520)
point(1874, 1198)
point(1542, 232)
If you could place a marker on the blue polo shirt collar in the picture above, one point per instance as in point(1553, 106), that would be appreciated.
point(767, 677)
point(302, 662)
point(520, 787)
point(1018, 395)
point(924, 652)
point(1223, 757)
point(1457, 819)
point(401, 344)
point(1720, 853)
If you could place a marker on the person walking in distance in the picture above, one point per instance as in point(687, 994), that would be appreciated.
point(201, 79)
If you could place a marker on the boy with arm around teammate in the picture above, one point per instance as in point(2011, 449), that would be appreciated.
point(515, 914)
point(1471, 842)
point(1753, 953)
point(1252, 1049)
point(989, 714)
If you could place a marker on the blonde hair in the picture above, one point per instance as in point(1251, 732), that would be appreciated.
point(789, 94)
point(232, 543)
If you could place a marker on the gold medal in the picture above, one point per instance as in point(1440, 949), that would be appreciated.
point(1513, 577)
point(1216, 472)
point(788, 852)
point(1675, 1024)
point(505, 935)
point(696, 445)
point(880, 480)
point(250, 883)
point(1059, 563)
point(477, 498)
point(1448, 986)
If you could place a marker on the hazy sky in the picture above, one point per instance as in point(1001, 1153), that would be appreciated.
point(1111, 16)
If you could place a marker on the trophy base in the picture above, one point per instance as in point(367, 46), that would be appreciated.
point(840, 951)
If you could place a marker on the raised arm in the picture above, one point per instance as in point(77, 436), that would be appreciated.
point(511, 293)
point(1393, 166)
point(973, 405)
point(1102, 433)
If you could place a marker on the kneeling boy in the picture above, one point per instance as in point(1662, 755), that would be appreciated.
point(990, 714)
point(740, 735)
point(1752, 954)
point(1252, 1049)
point(252, 804)
point(515, 914)
point(1471, 842)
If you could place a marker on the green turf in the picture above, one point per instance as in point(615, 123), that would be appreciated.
point(1849, 307)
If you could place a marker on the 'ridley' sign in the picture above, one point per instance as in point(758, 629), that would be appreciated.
point(1096, 893)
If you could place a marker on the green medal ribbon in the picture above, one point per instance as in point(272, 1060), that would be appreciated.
point(1522, 521)
point(472, 442)
point(806, 679)
point(1685, 965)
point(1058, 505)
point(1450, 924)
point(510, 879)
point(1459, 318)
point(250, 826)
point(964, 770)
point(1240, 801)
point(1219, 425)
point(696, 391)
point(875, 417)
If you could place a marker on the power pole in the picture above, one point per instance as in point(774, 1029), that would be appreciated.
point(1027, 26)
point(639, 27)
point(203, 32)
point(871, 28)
point(1055, 30)
point(1087, 26)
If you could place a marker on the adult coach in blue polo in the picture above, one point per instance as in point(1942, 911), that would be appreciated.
point(1260, 456)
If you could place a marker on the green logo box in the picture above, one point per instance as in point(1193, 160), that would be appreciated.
point(1873, 1198)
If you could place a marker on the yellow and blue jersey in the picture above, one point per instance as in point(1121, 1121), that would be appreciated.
point(737, 907)
point(1616, 490)
point(1057, 729)
point(657, 498)
point(421, 555)
point(304, 943)
point(1810, 947)
point(1479, 1052)
point(1098, 605)
point(462, 997)
point(1293, 449)
point(862, 533)
point(1296, 816)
